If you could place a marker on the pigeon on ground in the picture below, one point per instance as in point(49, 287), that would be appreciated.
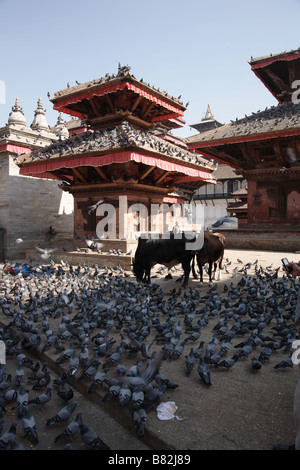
point(98, 380)
point(139, 419)
point(91, 439)
point(265, 354)
point(137, 398)
point(124, 395)
point(112, 392)
point(199, 350)
point(16, 446)
point(38, 373)
point(29, 426)
point(228, 362)
point(42, 399)
point(287, 362)
point(22, 400)
point(5, 384)
point(10, 395)
point(19, 376)
point(161, 379)
point(2, 421)
point(63, 415)
point(89, 372)
point(42, 382)
point(72, 429)
point(66, 395)
point(190, 361)
point(204, 371)
point(66, 355)
point(246, 349)
point(9, 436)
point(121, 369)
point(61, 380)
point(177, 352)
point(256, 365)
point(296, 413)
point(74, 363)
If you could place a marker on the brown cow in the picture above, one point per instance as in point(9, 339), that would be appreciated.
point(212, 253)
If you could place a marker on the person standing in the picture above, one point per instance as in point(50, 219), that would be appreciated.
point(294, 270)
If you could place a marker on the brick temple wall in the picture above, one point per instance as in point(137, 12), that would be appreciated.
point(273, 201)
point(29, 207)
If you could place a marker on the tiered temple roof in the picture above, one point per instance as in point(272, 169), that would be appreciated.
point(207, 123)
point(278, 72)
point(281, 120)
point(265, 137)
point(264, 147)
point(118, 97)
point(126, 140)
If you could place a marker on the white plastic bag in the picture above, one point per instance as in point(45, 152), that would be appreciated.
point(166, 410)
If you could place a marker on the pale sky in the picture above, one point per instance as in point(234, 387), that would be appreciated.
point(194, 48)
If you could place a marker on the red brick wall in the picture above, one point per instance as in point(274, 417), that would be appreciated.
point(273, 202)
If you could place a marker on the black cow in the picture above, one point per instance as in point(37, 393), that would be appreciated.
point(167, 251)
point(212, 253)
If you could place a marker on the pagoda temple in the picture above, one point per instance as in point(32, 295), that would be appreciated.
point(264, 147)
point(126, 149)
point(207, 123)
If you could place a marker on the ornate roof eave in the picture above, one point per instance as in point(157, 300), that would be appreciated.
point(69, 96)
point(278, 121)
point(118, 139)
point(274, 172)
point(269, 70)
point(245, 138)
point(221, 149)
point(41, 167)
point(268, 59)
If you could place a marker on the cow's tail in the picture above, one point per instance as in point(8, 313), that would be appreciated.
point(193, 268)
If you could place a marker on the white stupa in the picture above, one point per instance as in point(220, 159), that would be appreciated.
point(16, 116)
point(39, 122)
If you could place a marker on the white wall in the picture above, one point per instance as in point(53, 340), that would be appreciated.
point(32, 206)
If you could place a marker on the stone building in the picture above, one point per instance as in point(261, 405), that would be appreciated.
point(31, 209)
point(217, 198)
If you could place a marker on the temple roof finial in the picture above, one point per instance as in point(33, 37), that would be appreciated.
point(39, 121)
point(60, 128)
point(16, 115)
point(208, 114)
point(123, 70)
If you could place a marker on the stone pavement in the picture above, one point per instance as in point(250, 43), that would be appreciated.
point(241, 410)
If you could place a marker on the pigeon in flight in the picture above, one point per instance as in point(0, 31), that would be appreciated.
point(46, 253)
point(94, 206)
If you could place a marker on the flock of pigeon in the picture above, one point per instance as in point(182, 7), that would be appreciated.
point(282, 116)
point(114, 335)
point(116, 137)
